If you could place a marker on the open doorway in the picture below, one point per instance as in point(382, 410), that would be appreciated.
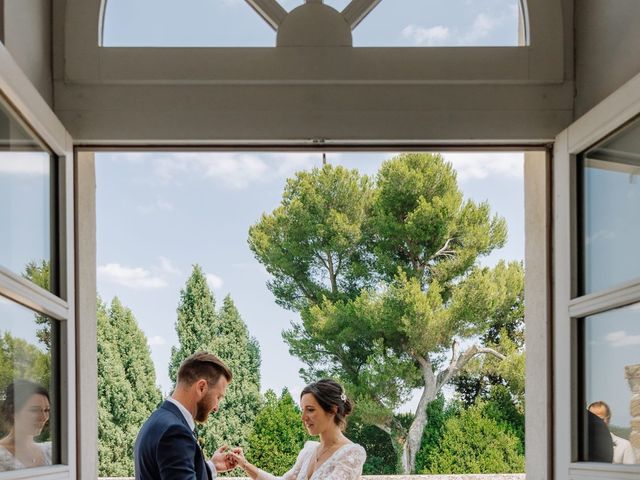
point(306, 265)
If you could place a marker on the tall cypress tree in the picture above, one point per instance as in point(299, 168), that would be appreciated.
point(115, 396)
point(241, 353)
point(201, 328)
point(135, 355)
point(196, 320)
point(127, 391)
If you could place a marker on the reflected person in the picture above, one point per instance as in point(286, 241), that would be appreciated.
point(26, 408)
point(622, 450)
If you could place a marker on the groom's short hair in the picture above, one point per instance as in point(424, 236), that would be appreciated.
point(202, 365)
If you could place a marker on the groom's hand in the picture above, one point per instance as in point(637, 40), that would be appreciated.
point(236, 456)
point(233, 457)
point(221, 460)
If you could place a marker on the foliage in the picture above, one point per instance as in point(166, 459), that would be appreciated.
point(133, 350)
point(201, 328)
point(116, 433)
point(499, 407)
point(127, 392)
point(506, 333)
point(474, 443)
point(277, 435)
point(385, 279)
point(40, 274)
point(313, 243)
point(381, 458)
point(438, 413)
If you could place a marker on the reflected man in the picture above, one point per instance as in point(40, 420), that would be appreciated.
point(622, 450)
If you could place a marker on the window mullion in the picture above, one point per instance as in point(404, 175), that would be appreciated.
point(31, 296)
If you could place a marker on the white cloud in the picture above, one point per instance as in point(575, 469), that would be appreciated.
point(237, 171)
point(621, 338)
point(484, 24)
point(214, 281)
point(427, 37)
point(24, 163)
point(168, 267)
point(157, 341)
point(132, 277)
point(474, 166)
point(601, 235)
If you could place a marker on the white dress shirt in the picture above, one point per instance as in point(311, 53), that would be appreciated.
point(622, 451)
point(192, 425)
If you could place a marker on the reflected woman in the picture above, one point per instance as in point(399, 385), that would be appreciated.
point(26, 408)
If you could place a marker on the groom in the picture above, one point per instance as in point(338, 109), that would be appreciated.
point(166, 447)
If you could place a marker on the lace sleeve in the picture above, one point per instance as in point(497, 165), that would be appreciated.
point(349, 465)
point(293, 473)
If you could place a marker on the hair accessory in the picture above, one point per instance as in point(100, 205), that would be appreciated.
point(343, 396)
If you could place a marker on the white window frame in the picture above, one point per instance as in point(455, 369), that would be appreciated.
point(607, 117)
point(35, 114)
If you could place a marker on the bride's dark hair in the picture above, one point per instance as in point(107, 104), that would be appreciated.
point(332, 398)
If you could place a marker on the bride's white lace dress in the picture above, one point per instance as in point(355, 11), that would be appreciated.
point(345, 464)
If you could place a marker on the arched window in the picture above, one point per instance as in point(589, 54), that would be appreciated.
point(391, 23)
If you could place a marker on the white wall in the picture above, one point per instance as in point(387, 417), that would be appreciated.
point(27, 36)
point(607, 48)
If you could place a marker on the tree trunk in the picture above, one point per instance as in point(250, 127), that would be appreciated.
point(414, 438)
point(411, 442)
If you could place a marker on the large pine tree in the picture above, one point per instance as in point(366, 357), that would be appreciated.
point(127, 391)
point(223, 333)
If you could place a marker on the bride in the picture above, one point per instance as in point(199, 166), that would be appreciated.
point(325, 408)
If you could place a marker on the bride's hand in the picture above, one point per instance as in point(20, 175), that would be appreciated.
point(236, 456)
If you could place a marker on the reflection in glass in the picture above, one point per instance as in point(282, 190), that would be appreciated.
point(27, 406)
point(611, 386)
point(611, 211)
point(25, 202)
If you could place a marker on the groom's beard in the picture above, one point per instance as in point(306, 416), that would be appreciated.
point(202, 410)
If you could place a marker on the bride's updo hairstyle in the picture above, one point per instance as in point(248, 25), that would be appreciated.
point(332, 398)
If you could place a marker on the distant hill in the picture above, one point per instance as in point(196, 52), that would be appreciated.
point(622, 432)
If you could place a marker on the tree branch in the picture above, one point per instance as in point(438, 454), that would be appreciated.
point(443, 250)
point(457, 364)
point(319, 257)
point(385, 428)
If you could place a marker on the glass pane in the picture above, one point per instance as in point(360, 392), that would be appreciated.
point(339, 5)
point(28, 405)
point(25, 202)
point(189, 23)
point(611, 211)
point(611, 383)
point(434, 23)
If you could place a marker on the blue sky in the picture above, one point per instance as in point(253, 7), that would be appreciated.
point(159, 213)
point(233, 23)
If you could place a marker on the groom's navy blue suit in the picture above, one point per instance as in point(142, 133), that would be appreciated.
point(167, 449)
